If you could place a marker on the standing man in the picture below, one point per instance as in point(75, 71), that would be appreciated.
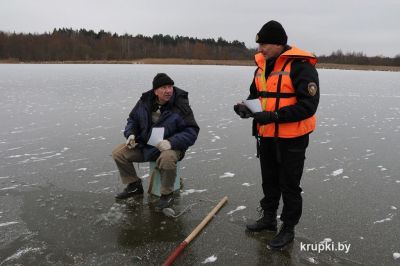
point(164, 106)
point(286, 82)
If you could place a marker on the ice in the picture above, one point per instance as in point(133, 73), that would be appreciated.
point(239, 208)
point(8, 223)
point(213, 258)
point(227, 174)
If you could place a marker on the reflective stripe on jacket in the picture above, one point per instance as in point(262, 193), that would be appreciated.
point(277, 91)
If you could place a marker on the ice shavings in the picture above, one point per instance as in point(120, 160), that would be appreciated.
point(246, 184)
point(227, 174)
point(239, 208)
point(81, 169)
point(213, 258)
point(190, 191)
point(396, 255)
point(393, 208)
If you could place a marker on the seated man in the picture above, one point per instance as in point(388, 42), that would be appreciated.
point(164, 106)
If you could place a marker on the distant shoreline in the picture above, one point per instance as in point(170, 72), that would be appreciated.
point(179, 61)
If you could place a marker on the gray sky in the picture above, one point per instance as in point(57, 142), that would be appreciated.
point(319, 26)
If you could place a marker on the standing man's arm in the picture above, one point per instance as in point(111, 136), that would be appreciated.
point(306, 83)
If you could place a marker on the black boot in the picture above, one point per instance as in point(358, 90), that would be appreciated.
point(283, 238)
point(132, 189)
point(266, 222)
point(165, 201)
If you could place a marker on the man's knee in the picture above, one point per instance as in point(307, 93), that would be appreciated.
point(167, 160)
point(117, 153)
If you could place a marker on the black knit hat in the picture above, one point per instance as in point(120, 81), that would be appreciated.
point(273, 33)
point(161, 79)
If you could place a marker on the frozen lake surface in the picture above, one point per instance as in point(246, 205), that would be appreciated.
point(59, 124)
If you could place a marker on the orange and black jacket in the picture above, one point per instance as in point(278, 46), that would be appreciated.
point(286, 91)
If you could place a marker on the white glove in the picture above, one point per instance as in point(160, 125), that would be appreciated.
point(130, 142)
point(164, 145)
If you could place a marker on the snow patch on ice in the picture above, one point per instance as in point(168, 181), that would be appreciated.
point(213, 258)
point(337, 172)
point(105, 173)
point(190, 191)
point(312, 260)
point(239, 208)
point(326, 240)
point(227, 174)
point(21, 252)
point(389, 218)
point(8, 223)
point(8, 188)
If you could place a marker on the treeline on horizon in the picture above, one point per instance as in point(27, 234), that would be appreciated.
point(86, 45)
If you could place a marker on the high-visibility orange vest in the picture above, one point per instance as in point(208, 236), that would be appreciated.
point(276, 91)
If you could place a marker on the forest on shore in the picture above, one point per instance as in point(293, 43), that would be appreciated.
point(68, 45)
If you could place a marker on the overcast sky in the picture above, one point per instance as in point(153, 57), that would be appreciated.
point(319, 26)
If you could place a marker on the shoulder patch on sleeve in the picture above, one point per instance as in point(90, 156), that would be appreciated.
point(312, 88)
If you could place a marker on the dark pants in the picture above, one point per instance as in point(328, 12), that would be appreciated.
point(282, 177)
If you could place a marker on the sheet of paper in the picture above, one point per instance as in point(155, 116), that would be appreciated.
point(254, 105)
point(157, 135)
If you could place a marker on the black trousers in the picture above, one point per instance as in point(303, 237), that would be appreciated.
point(281, 174)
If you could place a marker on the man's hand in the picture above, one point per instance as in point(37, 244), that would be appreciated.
point(265, 117)
point(164, 145)
point(242, 110)
point(130, 142)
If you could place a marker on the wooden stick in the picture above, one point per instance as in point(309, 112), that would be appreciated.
point(194, 233)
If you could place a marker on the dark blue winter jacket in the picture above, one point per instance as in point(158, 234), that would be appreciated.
point(180, 127)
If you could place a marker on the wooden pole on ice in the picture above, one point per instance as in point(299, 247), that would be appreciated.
point(194, 233)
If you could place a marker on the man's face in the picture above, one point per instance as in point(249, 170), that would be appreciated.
point(164, 93)
point(270, 50)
